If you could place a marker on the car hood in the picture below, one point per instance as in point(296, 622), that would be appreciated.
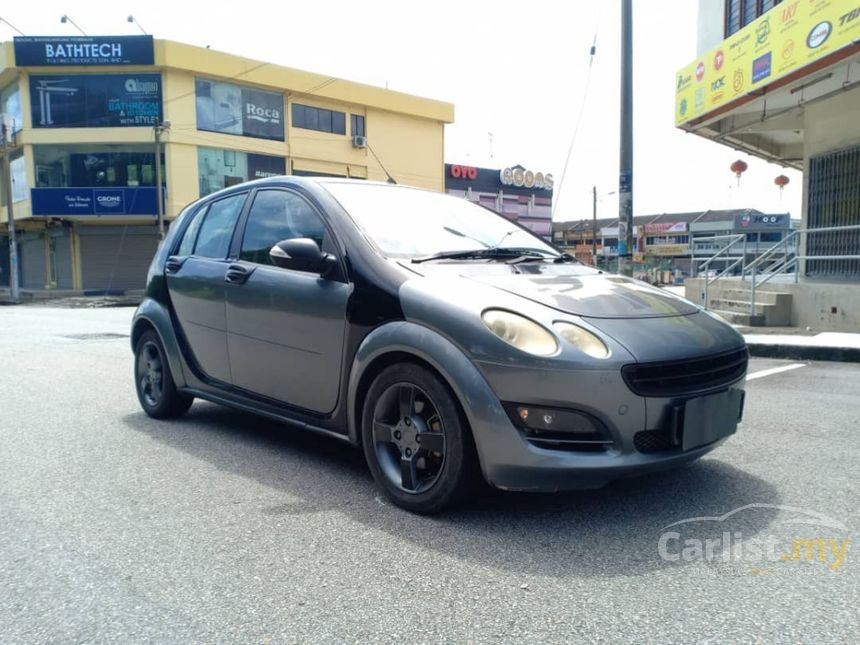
point(573, 289)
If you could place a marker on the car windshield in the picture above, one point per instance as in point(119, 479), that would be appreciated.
point(407, 222)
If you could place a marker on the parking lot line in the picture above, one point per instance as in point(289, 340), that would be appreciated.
point(774, 370)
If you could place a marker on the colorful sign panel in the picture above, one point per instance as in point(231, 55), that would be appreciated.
point(235, 109)
point(792, 35)
point(95, 100)
point(83, 50)
point(665, 227)
point(667, 249)
point(59, 202)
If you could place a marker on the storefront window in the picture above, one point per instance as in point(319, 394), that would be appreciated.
point(10, 104)
point(236, 109)
point(92, 165)
point(18, 171)
point(219, 168)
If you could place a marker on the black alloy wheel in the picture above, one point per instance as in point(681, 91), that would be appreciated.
point(156, 389)
point(415, 440)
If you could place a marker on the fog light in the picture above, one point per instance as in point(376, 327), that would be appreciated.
point(553, 420)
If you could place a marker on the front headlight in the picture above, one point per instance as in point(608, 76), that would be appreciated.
point(584, 340)
point(522, 333)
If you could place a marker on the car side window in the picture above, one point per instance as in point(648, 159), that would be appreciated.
point(190, 235)
point(278, 215)
point(216, 230)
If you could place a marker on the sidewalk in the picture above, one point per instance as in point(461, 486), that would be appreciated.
point(799, 344)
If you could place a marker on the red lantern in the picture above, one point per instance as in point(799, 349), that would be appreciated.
point(782, 182)
point(739, 167)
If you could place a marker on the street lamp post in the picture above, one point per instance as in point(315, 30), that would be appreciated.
point(65, 18)
point(139, 26)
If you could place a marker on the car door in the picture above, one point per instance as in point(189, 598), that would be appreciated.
point(196, 281)
point(285, 328)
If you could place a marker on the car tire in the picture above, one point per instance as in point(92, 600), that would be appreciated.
point(156, 389)
point(438, 474)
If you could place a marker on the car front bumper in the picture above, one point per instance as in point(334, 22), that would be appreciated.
point(511, 462)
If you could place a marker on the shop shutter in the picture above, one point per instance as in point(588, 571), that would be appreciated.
point(111, 260)
point(63, 261)
point(32, 261)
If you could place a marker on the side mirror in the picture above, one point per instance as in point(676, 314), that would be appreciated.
point(302, 254)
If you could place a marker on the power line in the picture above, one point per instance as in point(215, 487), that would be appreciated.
point(592, 52)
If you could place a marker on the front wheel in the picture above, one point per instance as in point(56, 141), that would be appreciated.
point(156, 389)
point(416, 441)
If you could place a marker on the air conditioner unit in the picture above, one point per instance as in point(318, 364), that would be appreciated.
point(359, 141)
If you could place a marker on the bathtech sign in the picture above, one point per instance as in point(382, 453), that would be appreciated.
point(83, 50)
point(791, 36)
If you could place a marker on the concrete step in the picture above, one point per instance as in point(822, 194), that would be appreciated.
point(740, 306)
point(739, 318)
point(733, 293)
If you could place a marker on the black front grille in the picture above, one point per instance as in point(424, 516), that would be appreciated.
point(649, 441)
point(689, 376)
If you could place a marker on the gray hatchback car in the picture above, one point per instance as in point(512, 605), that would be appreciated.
point(444, 340)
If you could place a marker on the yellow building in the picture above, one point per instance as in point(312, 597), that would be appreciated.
point(84, 111)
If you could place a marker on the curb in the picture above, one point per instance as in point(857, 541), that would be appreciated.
point(805, 352)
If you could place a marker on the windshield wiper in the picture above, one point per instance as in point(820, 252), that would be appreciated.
point(476, 254)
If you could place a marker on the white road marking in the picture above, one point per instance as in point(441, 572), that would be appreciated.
point(774, 370)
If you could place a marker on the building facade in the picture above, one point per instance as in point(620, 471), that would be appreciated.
point(677, 242)
point(84, 112)
point(517, 193)
point(780, 81)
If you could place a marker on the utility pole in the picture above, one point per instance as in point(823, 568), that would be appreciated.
point(625, 166)
point(6, 147)
point(160, 128)
point(594, 225)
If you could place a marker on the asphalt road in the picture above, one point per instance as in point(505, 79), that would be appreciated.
point(222, 527)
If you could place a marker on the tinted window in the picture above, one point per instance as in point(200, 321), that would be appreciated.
point(187, 244)
point(213, 241)
point(357, 125)
point(312, 118)
point(278, 215)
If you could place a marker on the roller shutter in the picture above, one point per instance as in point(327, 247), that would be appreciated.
point(116, 260)
point(32, 261)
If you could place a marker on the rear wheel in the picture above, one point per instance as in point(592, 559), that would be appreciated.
point(415, 440)
point(156, 389)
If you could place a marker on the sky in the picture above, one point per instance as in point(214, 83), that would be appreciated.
point(516, 72)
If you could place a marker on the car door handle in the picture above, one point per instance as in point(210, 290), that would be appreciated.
point(174, 263)
point(238, 273)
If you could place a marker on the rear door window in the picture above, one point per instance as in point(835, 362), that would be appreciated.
point(216, 229)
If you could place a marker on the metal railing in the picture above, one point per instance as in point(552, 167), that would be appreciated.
point(721, 255)
point(828, 252)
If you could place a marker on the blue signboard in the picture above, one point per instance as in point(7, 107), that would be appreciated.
point(95, 100)
point(65, 202)
point(83, 50)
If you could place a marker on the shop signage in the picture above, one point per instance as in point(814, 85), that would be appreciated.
point(754, 222)
point(463, 172)
point(66, 202)
point(791, 36)
point(520, 177)
point(83, 50)
point(95, 100)
point(665, 227)
point(667, 249)
point(234, 109)
point(260, 166)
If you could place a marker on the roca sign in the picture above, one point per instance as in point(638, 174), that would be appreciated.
point(520, 178)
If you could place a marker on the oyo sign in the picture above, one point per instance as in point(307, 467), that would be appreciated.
point(464, 172)
point(520, 177)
